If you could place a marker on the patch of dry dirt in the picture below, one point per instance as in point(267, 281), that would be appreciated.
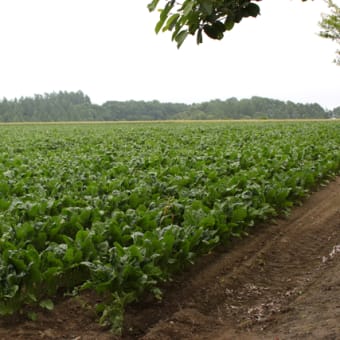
point(281, 282)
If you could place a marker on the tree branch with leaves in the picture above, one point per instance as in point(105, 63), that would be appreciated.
point(197, 17)
point(330, 25)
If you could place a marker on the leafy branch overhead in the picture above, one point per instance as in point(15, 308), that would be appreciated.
point(330, 25)
point(195, 17)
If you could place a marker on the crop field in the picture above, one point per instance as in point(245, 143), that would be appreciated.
point(120, 208)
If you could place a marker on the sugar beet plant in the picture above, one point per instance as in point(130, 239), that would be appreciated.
point(119, 208)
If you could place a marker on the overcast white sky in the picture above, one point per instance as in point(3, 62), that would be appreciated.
point(108, 49)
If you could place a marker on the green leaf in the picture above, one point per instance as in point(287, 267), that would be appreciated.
point(207, 6)
point(8, 307)
point(252, 10)
point(157, 293)
point(32, 316)
point(229, 23)
point(187, 7)
point(19, 264)
point(11, 292)
point(4, 205)
point(159, 25)
point(171, 22)
point(152, 5)
point(180, 37)
point(47, 304)
point(32, 297)
point(199, 37)
point(239, 214)
point(69, 255)
point(163, 16)
point(215, 30)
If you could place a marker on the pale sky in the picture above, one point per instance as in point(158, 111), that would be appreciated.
point(109, 50)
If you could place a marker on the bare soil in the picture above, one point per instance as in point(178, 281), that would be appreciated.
point(281, 282)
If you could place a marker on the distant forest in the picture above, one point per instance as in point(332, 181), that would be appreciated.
point(76, 106)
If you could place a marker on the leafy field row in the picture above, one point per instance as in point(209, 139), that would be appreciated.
point(120, 208)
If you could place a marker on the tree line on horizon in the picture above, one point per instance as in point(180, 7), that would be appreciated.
point(76, 106)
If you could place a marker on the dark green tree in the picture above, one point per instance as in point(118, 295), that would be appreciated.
point(76, 106)
point(336, 112)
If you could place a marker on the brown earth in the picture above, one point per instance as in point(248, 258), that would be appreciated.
point(281, 282)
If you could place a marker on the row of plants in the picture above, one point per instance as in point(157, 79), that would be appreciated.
point(119, 208)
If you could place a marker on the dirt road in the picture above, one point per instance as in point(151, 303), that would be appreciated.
point(281, 282)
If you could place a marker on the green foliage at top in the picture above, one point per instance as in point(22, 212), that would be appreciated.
point(119, 208)
point(195, 17)
point(330, 25)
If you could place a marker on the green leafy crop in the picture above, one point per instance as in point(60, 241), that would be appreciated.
point(119, 208)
